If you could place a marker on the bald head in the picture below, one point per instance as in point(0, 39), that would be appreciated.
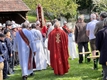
point(57, 24)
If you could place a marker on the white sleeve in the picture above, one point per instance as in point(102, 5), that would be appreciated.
point(87, 27)
point(73, 37)
point(32, 43)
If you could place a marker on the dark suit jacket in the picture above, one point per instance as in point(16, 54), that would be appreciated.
point(98, 27)
point(101, 44)
point(80, 33)
point(4, 50)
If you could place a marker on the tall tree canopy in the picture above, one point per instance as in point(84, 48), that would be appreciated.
point(55, 7)
point(100, 5)
point(84, 4)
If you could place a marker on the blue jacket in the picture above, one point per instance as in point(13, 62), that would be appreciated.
point(9, 46)
point(3, 50)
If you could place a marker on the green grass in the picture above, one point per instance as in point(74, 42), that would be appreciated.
point(31, 18)
point(76, 72)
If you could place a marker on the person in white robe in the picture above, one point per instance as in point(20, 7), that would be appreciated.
point(47, 52)
point(49, 28)
point(40, 57)
point(23, 51)
point(72, 46)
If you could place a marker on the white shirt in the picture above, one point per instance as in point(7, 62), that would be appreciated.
point(90, 27)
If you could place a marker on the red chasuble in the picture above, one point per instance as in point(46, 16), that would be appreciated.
point(58, 46)
point(66, 29)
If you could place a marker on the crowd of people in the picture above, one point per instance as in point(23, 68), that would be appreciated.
point(32, 47)
point(93, 32)
point(36, 48)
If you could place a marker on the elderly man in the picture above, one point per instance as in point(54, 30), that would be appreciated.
point(81, 38)
point(90, 32)
point(58, 53)
point(25, 46)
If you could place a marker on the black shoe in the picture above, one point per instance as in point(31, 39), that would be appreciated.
point(31, 74)
point(6, 77)
point(24, 78)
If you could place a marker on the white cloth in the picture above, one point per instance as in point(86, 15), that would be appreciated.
point(90, 27)
point(72, 46)
point(23, 50)
point(40, 57)
point(47, 52)
point(50, 29)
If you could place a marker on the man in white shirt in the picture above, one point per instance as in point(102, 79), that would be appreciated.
point(90, 33)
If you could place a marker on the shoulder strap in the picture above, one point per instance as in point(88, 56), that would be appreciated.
point(30, 62)
point(24, 37)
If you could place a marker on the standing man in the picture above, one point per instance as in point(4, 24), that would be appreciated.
point(58, 46)
point(25, 46)
point(100, 24)
point(40, 57)
point(81, 38)
point(90, 32)
point(101, 44)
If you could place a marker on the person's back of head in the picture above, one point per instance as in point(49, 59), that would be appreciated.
point(81, 18)
point(38, 23)
point(57, 24)
point(8, 23)
point(103, 15)
point(93, 16)
point(49, 24)
point(24, 25)
point(105, 22)
point(33, 26)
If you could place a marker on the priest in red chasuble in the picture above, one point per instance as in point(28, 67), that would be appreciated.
point(65, 28)
point(58, 46)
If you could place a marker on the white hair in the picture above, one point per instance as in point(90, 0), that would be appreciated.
point(81, 17)
point(93, 16)
point(49, 23)
point(37, 22)
point(57, 24)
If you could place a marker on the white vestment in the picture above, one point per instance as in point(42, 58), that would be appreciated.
point(40, 57)
point(23, 51)
point(50, 29)
point(47, 52)
point(72, 46)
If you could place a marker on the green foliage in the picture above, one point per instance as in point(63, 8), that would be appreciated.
point(76, 72)
point(100, 5)
point(54, 7)
point(31, 18)
point(84, 4)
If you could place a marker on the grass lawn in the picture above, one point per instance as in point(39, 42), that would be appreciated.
point(76, 72)
point(31, 18)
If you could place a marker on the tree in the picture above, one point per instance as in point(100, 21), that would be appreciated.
point(54, 7)
point(85, 5)
point(100, 5)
